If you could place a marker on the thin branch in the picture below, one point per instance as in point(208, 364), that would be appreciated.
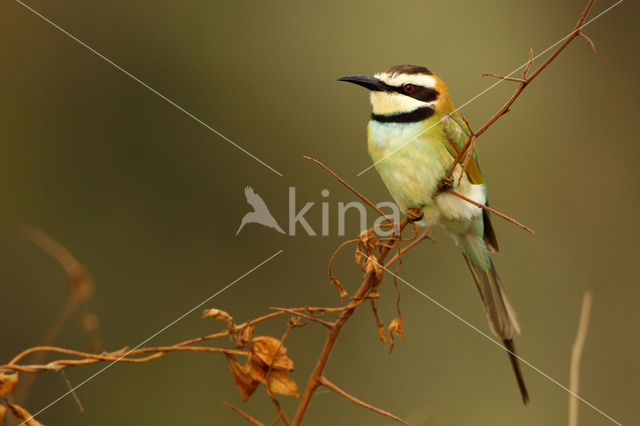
point(502, 77)
point(325, 382)
point(403, 250)
point(306, 316)
point(242, 413)
point(261, 319)
point(89, 358)
point(496, 212)
point(370, 281)
point(76, 398)
point(576, 356)
point(529, 63)
point(528, 79)
point(349, 187)
point(281, 414)
point(76, 272)
point(323, 309)
point(576, 32)
point(522, 84)
point(208, 337)
point(472, 145)
point(334, 280)
point(591, 44)
point(80, 290)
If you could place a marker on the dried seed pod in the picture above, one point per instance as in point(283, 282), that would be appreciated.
point(396, 328)
point(220, 315)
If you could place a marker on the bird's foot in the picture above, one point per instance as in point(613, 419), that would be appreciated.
point(446, 184)
point(414, 215)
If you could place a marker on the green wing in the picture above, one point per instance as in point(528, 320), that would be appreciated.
point(457, 134)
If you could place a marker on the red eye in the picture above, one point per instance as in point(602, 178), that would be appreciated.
point(408, 88)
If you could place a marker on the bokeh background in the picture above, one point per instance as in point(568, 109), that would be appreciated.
point(149, 201)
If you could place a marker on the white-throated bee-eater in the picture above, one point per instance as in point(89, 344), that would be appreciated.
point(414, 136)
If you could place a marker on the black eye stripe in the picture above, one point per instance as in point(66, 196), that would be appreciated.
point(421, 93)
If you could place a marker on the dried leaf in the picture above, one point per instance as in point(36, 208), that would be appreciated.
point(358, 255)
point(269, 364)
point(281, 383)
point(246, 384)
point(8, 381)
point(271, 352)
point(369, 241)
point(379, 324)
point(23, 415)
point(276, 380)
point(396, 327)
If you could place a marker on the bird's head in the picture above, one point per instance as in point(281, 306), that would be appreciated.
point(404, 93)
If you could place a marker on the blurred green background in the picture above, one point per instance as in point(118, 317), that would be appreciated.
point(149, 201)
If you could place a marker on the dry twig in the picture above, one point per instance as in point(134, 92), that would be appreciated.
point(305, 316)
point(576, 356)
point(79, 292)
point(350, 188)
point(325, 382)
point(468, 149)
point(522, 83)
point(242, 413)
point(497, 213)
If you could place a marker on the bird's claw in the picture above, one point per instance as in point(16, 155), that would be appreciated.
point(446, 184)
point(414, 215)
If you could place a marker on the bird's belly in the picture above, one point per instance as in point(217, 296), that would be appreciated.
point(412, 172)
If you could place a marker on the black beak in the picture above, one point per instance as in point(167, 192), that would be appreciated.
point(365, 81)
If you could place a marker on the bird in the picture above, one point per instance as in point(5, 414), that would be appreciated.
point(260, 213)
point(414, 136)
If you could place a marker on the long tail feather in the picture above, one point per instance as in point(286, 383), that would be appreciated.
point(501, 315)
point(491, 293)
point(515, 362)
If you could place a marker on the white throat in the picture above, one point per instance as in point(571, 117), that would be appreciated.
point(386, 103)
